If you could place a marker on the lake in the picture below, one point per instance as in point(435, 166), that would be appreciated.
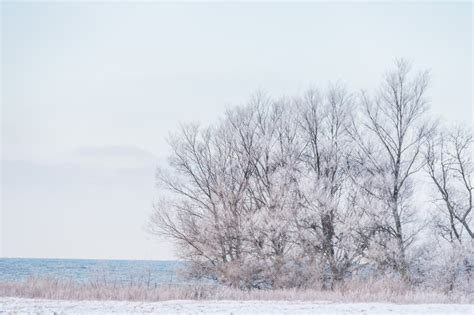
point(89, 270)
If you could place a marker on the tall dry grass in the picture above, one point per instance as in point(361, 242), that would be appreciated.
point(367, 291)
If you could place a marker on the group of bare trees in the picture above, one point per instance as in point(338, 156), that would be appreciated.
point(312, 190)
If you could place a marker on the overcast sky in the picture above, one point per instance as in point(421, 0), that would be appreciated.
point(91, 91)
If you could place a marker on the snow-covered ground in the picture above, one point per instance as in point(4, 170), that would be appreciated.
point(39, 306)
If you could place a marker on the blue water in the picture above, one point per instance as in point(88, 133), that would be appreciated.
point(90, 270)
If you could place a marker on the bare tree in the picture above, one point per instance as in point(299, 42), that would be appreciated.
point(272, 189)
point(207, 182)
point(232, 193)
point(448, 157)
point(449, 165)
point(326, 213)
point(390, 137)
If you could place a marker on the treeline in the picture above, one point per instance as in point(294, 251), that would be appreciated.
point(313, 190)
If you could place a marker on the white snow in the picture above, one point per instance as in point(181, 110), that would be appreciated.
point(41, 306)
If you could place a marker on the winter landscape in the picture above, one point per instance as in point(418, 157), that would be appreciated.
point(237, 158)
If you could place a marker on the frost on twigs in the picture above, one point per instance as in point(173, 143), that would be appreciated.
point(318, 190)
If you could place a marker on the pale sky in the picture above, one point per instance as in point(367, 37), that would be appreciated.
point(91, 91)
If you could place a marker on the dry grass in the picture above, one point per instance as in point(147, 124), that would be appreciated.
point(368, 291)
